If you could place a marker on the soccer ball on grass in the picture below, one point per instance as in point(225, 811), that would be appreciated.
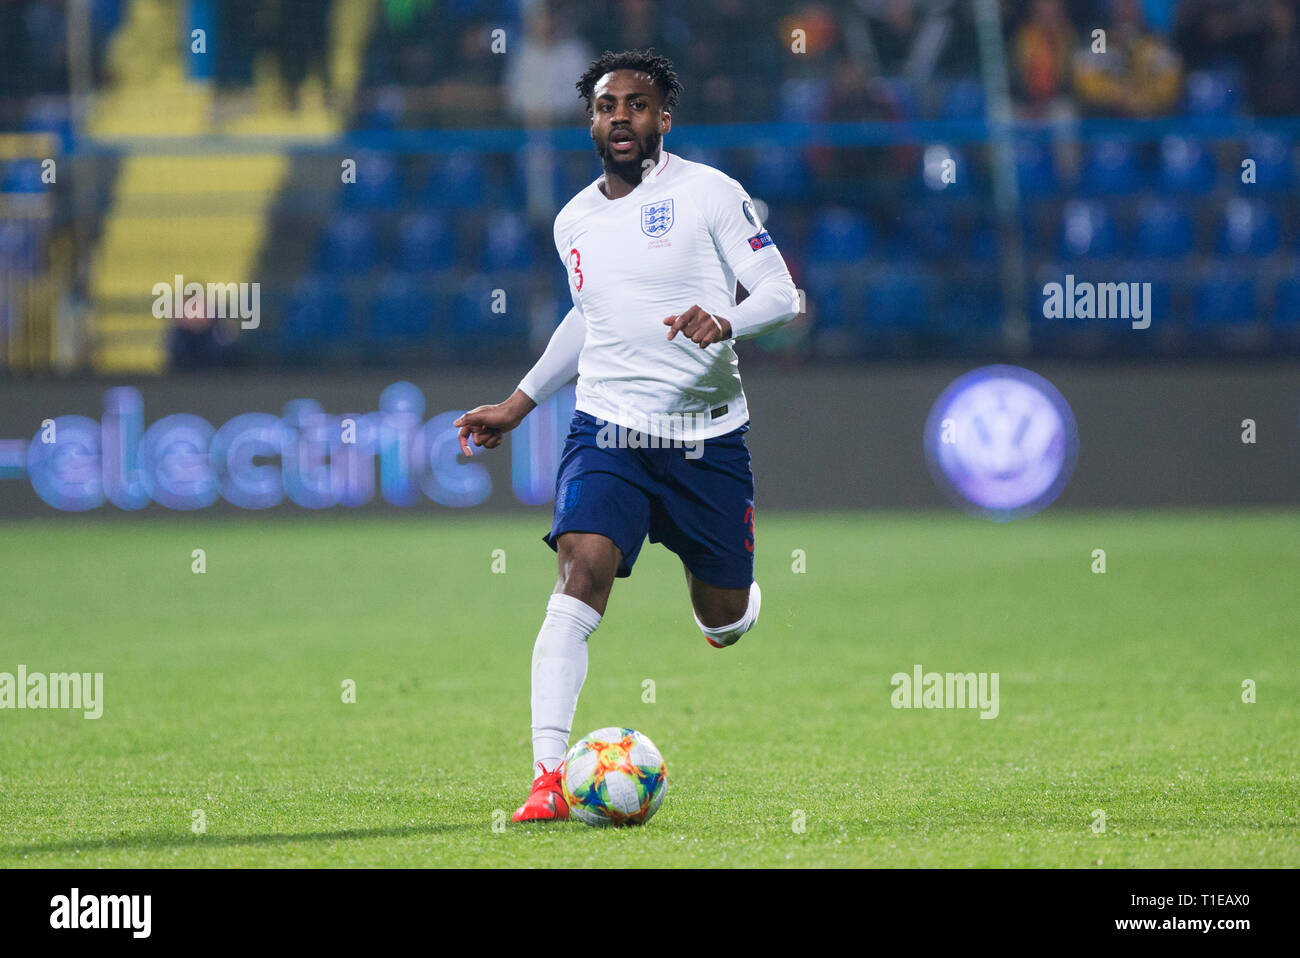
point(614, 776)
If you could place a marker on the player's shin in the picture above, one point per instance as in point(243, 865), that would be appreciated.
point(559, 669)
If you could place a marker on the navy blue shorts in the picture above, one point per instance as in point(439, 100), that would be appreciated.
point(701, 508)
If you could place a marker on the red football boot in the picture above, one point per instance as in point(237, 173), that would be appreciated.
point(546, 800)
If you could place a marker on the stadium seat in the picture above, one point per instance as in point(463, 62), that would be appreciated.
point(400, 309)
point(1110, 167)
point(317, 314)
point(1286, 303)
point(50, 116)
point(1249, 228)
point(929, 231)
point(1211, 93)
point(825, 299)
point(348, 246)
point(984, 245)
point(425, 243)
point(19, 250)
point(1186, 166)
point(901, 95)
point(1035, 169)
point(971, 304)
point(23, 176)
point(1224, 298)
point(779, 171)
point(378, 185)
point(457, 182)
point(1087, 230)
point(1164, 231)
point(506, 243)
point(899, 300)
point(1274, 166)
point(964, 100)
point(802, 99)
point(839, 236)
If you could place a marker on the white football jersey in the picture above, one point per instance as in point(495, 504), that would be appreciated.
point(682, 237)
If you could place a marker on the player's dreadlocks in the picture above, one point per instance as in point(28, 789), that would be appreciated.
point(658, 69)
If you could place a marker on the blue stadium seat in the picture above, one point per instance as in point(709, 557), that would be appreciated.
point(1162, 286)
point(348, 246)
point(1274, 168)
point(803, 99)
point(506, 243)
point(472, 307)
point(50, 116)
point(899, 300)
point(1186, 166)
point(929, 230)
point(317, 314)
point(23, 176)
point(964, 100)
point(378, 185)
point(425, 243)
point(1035, 170)
point(476, 331)
point(984, 245)
point(1224, 298)
point(839, 236)
point(19, 250)
point(1211, 93)
point(971, 305)
point(1249, 228)
point(901, 95)
point(1087, 230)
point(825, 299)
point(779, 171)
point(400, 309)
point(457, 182)
point(1286, 303)
point(1110, 167)
point(1164, 231)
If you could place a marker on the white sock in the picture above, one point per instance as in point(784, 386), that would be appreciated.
point(559, 669)
point(728, 634)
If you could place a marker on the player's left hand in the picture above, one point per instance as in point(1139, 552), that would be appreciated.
point(699, 326)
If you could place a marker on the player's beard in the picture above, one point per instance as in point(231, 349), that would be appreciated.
point(634, 168)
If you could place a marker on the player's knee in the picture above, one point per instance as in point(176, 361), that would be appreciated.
point(722, 631)
point(723, 611)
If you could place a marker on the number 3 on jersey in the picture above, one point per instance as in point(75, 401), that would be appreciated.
point(575, 263)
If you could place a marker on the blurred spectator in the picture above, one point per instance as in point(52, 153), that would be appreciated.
point(853, 97)
point(198, 340)
point(1274, 77)
point(302, 33)
point(541, 72)
point(1043, 51)
point(470, 93)
point(234, 43)
point(894, 31)
point(1217, 33)
point(1138, 75)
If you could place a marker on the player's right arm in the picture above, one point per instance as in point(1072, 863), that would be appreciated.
point(557, 366)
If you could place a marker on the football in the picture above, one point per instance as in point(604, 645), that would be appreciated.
point(614, 776)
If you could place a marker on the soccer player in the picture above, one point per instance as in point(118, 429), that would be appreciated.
point(653, 250)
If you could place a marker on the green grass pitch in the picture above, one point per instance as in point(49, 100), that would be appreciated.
point(1119, 692)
